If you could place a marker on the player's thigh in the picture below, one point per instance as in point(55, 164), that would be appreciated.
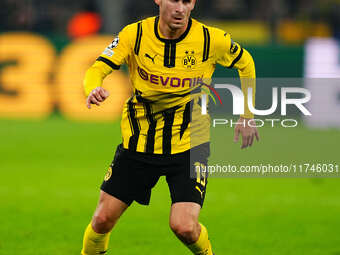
point(186, 176)
point(131, 177)
point(108, 211)
point(187, 184)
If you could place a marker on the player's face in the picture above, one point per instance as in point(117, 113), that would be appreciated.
point(176, 13)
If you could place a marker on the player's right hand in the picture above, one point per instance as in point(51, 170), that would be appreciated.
point(97, 96)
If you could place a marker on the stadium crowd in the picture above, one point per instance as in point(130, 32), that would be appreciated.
point(45, 16)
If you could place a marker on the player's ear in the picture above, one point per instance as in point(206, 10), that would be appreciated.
point(193, 3)
point(158, 2)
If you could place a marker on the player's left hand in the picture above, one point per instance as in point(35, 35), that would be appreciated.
point(248, 132)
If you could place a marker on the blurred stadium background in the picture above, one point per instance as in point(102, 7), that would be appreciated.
point(54, 152)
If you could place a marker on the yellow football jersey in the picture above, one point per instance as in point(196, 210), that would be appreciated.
point(164, 115)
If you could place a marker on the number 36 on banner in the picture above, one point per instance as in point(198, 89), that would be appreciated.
point(33, 80)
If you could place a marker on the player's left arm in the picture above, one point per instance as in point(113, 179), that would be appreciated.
point(246, 69)
point(231, 55)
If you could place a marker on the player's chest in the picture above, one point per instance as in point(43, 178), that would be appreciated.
point(188, 57)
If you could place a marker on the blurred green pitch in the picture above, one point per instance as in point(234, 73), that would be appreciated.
point(50, 173)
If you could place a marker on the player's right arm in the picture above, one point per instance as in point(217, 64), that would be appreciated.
point(116, 54)
point(93, 81)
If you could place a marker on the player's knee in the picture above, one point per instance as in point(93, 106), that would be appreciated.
point(185, 230)
point(101, 223)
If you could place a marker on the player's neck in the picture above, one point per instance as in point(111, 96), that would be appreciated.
point(169, 33)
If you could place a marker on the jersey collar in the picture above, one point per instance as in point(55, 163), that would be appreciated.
point(171, 40)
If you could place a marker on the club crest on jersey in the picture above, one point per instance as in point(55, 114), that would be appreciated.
point(189, 60)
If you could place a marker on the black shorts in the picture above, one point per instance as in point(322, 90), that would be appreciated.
point(132, 175)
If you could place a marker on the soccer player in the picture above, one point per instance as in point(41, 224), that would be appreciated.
point(168, 57)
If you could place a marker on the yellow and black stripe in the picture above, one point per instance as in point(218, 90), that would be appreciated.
point(206, 49)
point(236, 59)
point(134, 124)
point(170, 44)
point(150, 121)
point(108, 62)
point(168, 116)
point(187, 114)
point(170, 54)
point(138, 38)
point(150, 139)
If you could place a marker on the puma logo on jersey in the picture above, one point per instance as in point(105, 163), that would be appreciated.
point(152, 58)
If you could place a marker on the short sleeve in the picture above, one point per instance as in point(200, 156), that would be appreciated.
point(119, 50)
point(230, 54)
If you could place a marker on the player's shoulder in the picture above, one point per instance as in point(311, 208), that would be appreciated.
point(148, 21)
point(141, 24)
point(130, 28)
point(218, 37)
point(211, 29)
